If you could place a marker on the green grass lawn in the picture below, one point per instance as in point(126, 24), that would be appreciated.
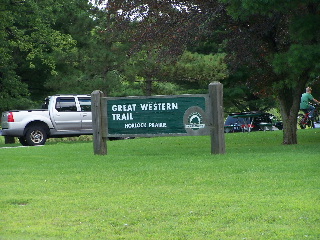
point(163, 188)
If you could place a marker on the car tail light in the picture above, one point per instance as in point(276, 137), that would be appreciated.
point(10, 117)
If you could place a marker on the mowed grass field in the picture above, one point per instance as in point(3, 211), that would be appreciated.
point(163, 188)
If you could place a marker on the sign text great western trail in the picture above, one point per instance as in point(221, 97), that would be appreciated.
point(157, 115)
point(174, 115)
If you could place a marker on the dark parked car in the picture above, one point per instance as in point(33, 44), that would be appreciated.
point(251, 121)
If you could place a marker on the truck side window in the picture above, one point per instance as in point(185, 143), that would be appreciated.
point(85, 104)
point(66, 104)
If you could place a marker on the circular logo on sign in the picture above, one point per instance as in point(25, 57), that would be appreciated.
point(195, 122)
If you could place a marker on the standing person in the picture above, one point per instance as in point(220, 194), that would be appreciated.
point(305, 99)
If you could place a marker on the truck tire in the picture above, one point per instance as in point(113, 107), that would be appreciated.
point(36, 135)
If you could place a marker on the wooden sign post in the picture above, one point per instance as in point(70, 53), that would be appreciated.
point(218, 145)
point(174, 115)
point(98, 123)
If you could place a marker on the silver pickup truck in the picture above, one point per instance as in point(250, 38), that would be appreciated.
point(60, 116)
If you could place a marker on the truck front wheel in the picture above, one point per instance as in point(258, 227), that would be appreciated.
point(36, 135)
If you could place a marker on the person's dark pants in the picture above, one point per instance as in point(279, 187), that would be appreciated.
point(309, 110)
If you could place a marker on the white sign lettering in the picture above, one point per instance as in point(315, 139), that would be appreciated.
point(124, 108)
point(125, 112)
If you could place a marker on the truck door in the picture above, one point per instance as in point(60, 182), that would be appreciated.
point(86, 116)
point(66, 115)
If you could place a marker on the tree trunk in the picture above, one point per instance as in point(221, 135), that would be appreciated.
point(289, 107)
point(289, 126)
point(149, 86)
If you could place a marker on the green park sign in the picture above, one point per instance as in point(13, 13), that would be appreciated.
point(157, 115)
point(148, 116)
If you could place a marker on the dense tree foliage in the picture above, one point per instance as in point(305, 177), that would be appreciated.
point(29, 46)
point(260, 50)
point(275, 44)
point(282, 42)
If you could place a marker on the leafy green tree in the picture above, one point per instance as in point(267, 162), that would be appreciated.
point(276, 41)
point(98, 63)
point(201, 68)
point(156, 33)
point(239, 97)
point(150, 70)
point(280, 43)
point(12, 90)
point(28, 46)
